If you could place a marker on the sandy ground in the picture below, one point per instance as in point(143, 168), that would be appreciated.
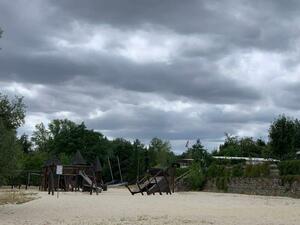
point(117, 206)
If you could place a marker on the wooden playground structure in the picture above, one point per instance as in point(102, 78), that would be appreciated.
point(79, 176)
point(156, 180)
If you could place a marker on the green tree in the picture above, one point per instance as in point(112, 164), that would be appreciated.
point(230, 146)
point(123, 149)
point(41, 137)
point(138, 158)
point(66, 137)
point(10, 153)
point(160, 153)
point(296, 141)
point(12, 112)
point(25, 143)
point(282, 134)
point(242, 147)
point(195, 178)
point(199, 154)
point(250, 148)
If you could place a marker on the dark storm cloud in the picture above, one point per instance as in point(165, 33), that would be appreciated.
point(138, 69)
point(132, 120)
point(261, 24)
point(289, 97)
point(190, 79)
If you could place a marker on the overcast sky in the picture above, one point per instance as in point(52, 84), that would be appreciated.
point(173, 69)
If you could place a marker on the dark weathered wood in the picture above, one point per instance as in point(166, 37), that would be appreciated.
point(73, 177)
point(28, 180)
point(157, 184)
point(156, 180)
point(139, 187)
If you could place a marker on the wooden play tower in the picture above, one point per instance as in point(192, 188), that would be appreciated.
point(79, 176)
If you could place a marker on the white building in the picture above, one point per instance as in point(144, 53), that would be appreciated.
point(249, 160)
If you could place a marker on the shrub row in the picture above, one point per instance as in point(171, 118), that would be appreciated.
point(289, 167)
point(238, 170)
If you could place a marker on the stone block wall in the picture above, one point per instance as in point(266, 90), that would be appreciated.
point(257, 186)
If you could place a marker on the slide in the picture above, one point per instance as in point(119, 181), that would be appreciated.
point(87, 179)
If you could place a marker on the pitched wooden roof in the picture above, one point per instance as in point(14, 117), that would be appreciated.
point(78, 159)
point(97, 165)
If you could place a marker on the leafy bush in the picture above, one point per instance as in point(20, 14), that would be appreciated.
point(196, 178)
point(265, 170)
point(290, 167)
point(215, 170)
point(237, 170)
point(180, 171)
point(261, 170)
point(229, 161)
point(222, 183)
point(35, 160)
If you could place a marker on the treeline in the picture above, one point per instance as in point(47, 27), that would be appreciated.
point(284, 142)
point(62, 138)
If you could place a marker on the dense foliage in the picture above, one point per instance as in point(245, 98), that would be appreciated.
point(238, 170)
point(196, 177)
point(242, 147)
point(284, 142)
point(284, 135)
point(63, 138)
point(290, 167)
point(12, 114)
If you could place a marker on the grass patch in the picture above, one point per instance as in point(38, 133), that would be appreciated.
point(16, 197)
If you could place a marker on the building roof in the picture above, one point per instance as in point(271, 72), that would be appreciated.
point(78, 159)
point(247, 158)
point(184, 160)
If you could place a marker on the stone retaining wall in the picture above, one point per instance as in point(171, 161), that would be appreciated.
point(258, 186)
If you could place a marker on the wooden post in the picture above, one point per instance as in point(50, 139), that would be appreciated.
point(28, 180)
point(111, 173)
point(138, 169)
point(120, 169)
point(148, 184)
point(168, 184)
point(91, 191)
point(173, 178)
point(139, 187)
point(52, 183)
point(58, 185)
point(76, 182)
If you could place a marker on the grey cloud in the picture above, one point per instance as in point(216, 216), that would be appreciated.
point(260, 24)
point(81, 81)
point(289, 96)
point(189, 79)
